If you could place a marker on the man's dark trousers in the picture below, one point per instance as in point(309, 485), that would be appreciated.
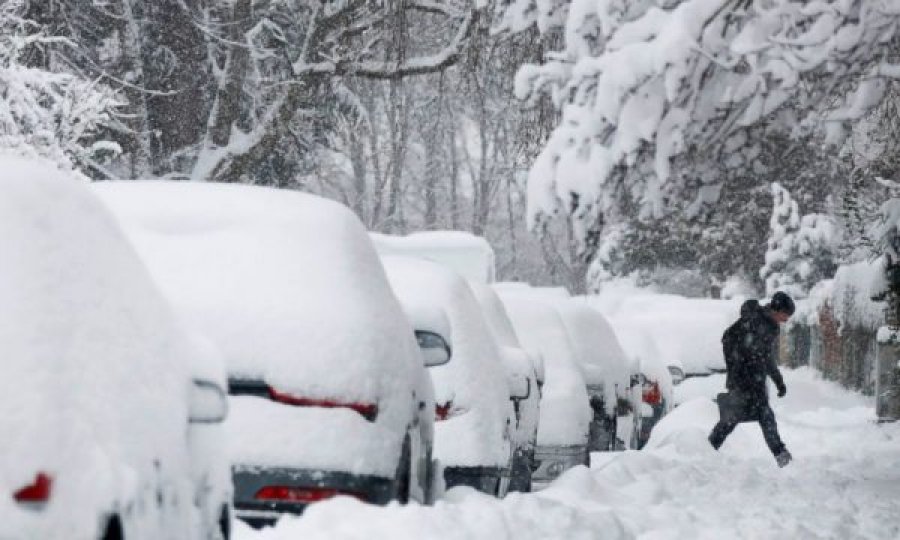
point(766, 419)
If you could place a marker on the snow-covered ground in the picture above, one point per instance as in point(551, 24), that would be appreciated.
point(844, 483)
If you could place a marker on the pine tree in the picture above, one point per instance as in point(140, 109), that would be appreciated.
point(801, 249)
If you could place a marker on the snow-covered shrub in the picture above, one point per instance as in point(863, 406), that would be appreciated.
point(801, 249)
point(46, 111)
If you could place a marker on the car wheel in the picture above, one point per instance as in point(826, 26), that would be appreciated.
point(225, 523)
point(635, 442)
point(613, 429)
point(404, 473)
point(430, 488)
point(113, 530)
point(521, 473)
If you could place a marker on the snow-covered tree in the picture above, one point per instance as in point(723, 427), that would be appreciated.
point(656, 95)
point(47, 110)
point(801, 250)
point(279, 62)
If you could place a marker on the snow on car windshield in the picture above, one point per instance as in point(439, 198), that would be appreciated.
point(300, 269)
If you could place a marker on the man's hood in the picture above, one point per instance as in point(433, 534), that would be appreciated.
point(750, 308)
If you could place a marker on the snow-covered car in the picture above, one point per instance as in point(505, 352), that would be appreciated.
point(688, 331)
point(565, 412)
point(468, 255)
point(604, 365)
point(111, 412)
point(328, 392)
point(472, 411)
point(651, 380)
point(522, 367)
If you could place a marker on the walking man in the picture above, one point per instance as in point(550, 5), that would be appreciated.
point(751, 349)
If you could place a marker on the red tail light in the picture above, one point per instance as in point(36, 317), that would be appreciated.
point(369, 411)
point(652, 394)
point(36, 492)
point(446, 411)
point(300, 494)
point(442, 412)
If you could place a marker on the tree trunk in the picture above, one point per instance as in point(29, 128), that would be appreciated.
point(130, 39)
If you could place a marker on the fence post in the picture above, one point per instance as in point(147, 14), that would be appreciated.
point(887, 370)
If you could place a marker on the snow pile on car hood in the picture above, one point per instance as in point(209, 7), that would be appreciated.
point(95, 372)
point(474, 380)
point(565, 409)
point(291, 290)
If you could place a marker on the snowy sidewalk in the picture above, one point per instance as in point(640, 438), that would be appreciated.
point(844, 483)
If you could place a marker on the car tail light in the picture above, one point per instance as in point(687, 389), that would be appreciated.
point(442, 412)
point(300, 494)
point(36, 492)
point(369, 411)
point(652, 395)
point(446, 411)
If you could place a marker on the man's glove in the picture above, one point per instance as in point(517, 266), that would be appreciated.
point(782, 390)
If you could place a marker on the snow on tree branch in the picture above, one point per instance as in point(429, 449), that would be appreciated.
point(641, 84)
point(44, 112)
point(420, 65)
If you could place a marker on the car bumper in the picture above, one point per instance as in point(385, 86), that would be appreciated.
point(552, 461)
point(648, 423)
point(259, 513)
point(484, 479)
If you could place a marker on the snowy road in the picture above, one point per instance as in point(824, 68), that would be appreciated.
point(843, 484)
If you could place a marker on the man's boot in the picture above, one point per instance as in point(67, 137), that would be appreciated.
point(783, 458)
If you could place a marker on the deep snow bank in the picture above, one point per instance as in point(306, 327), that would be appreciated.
point(843, 483)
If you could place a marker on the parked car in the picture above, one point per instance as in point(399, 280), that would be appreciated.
point(111, 411)
point(472, 411)
point(519, 364)
point(565, 413)
point(472, 258)
point(328, 392)
point(651, 381)
point(690, 328)
point(603, 364)
point(656, 403)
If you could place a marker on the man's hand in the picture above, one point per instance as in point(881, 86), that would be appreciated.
point(782, 390)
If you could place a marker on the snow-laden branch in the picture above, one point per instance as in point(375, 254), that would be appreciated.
point(420, 65)
point(638, 84)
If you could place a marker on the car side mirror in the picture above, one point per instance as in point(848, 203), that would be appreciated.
point(435, 349)
point(208, 403)
point(677, 374)
point(519, 387)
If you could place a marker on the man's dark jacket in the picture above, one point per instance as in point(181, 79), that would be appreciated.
point(750, 346)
